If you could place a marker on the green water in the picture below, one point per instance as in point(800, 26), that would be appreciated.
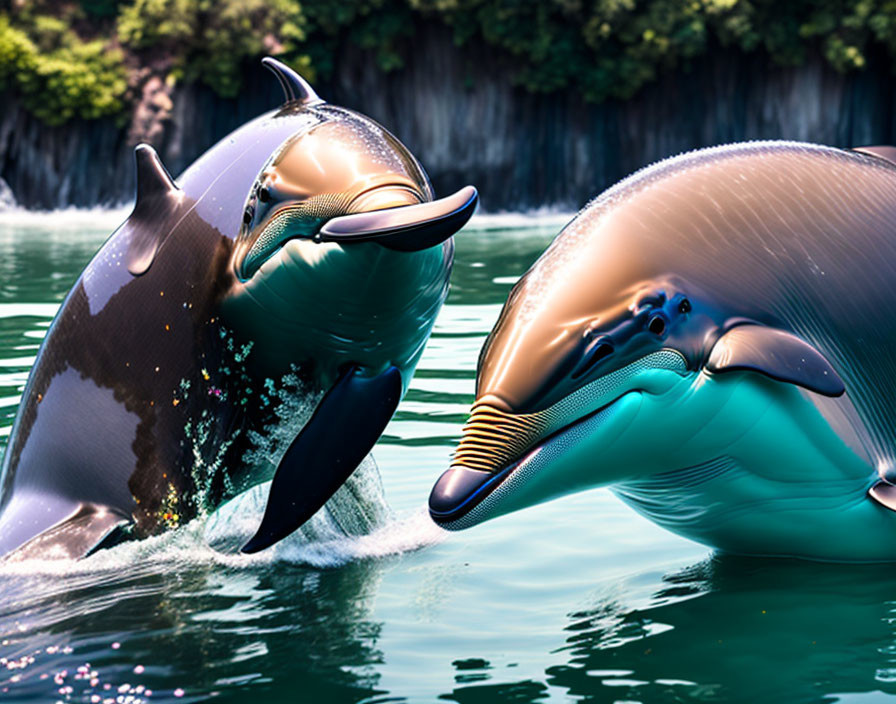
point(577, 600)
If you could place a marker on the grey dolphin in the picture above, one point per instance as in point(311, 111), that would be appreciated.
point(712, 338)
point(263, 259)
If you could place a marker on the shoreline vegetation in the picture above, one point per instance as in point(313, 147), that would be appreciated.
point(91, 59)
point(539, 103)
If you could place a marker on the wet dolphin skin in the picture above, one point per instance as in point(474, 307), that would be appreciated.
point(712, 338)
point(307, 245)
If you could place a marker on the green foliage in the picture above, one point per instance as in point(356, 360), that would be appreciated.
point(68, 59)
point(612, 48)
point(209, 40)
point(61, 77)
point(383, 27)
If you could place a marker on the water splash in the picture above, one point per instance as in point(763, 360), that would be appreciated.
point(66, 219)
point(356, 523)
point(293, 402)
point(326, 548)
point(357, 508)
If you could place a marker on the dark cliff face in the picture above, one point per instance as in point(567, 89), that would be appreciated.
point(456, 109)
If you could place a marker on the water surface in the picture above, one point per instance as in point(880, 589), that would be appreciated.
point(576, 600)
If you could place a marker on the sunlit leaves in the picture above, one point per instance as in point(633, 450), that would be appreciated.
point(61, 77)
point(68, 60)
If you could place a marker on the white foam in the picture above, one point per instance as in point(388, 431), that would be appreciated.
point(356, 523)
point(547, 218)
point(187, 546)
point(98, 218)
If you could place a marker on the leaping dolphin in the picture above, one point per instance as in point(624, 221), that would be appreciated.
point(712, 339)
point(307, 245)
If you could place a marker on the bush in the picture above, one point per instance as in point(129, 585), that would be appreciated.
point(210, 40)
point(602, 48)
point(68, 79)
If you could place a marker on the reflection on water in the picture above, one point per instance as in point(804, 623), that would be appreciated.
point(576, 600)
point(728, 629)
point(211, 630)
point(724, 630)
point(746, 630)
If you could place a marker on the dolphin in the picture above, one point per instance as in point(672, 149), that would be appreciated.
point(710, 338)
point(305, 250)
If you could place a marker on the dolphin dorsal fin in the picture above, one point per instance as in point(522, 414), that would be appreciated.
point(153, 179)
point(294, 86)
point(881, 152)
point(157, 194)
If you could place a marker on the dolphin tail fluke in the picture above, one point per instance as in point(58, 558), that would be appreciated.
point(343, 429)
point(86, 529)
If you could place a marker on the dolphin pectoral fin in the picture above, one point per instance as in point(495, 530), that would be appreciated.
point(884, 493)
point(157, 196)
point(343, 429)
point(777, 354)
point(88, 529)
point(408, 228)
point(881, 152)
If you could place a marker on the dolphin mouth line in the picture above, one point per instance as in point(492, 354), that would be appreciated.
point(499, 477)
point(248, 266)
point(251, 262)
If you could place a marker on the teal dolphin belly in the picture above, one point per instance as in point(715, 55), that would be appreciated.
point(712, 339)
point(386, 306)
point(785, 482)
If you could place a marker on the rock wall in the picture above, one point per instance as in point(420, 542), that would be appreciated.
point(457, 109)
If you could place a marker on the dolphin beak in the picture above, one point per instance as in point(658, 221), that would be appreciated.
point(408, 228)
point(493, 443)
point(391, 215)
point(383, 197)
point(458, 491)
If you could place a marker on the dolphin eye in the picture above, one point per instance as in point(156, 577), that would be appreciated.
point(657, 325)
point(264, 195)
point(684, 306)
